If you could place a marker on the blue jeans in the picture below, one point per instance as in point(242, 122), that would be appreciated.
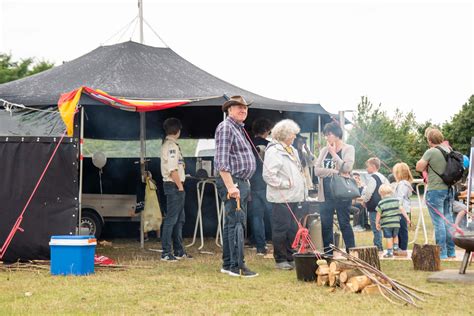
point(342, 208)
point(174, 220)
point(258, 207)
point(441, 201)
point(403, 234)
point(229, 247)
point(377, 233)
point(390, 232)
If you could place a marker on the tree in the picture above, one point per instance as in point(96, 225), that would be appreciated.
point(460, 130)
point(12, 70)
point(390, 139)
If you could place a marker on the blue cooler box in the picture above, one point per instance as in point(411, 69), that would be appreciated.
point(72, 255)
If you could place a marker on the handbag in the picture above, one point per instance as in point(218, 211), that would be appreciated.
point(344, 188)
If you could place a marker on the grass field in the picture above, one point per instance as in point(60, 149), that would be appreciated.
point(196, 287)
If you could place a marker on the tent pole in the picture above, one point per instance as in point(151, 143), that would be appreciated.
point(142, 168)
point(140, 15)
point(142, 132)
point(319, 132)
point(311, 144)
point(469, 185)
point(342, 120)
point(81, 165)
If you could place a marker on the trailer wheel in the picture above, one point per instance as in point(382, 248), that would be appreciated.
point(92, 221)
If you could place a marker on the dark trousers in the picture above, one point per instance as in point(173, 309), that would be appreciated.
point(284, 230)
point(362, 218)
point(403, 234)
point(258, 207)
point(356, 212)
point(342, 208)
point(229, 247)
point(377, 233)
point(174, 220)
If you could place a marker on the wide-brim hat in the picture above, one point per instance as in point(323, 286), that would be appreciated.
point(235, 100)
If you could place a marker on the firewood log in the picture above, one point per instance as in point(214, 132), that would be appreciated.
point(347, 274)
point(368, 254)
point(342, 285)
point(322, 270)
point(334, 278)
point(339, 266)
point(349, 288)
point(322, 280)
point(426, 257)
point(371, 289)
point(359, 282)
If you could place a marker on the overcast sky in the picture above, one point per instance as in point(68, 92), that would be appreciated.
point(412, 55)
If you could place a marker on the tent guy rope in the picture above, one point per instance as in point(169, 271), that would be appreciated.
point(9, 106)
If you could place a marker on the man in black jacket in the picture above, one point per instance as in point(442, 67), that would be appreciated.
point(259, 207)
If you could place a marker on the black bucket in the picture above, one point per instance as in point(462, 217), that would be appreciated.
point(305, 266)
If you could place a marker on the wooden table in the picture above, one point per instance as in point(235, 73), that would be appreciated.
point(463, 197)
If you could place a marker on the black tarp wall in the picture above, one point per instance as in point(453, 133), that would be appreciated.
point(53, 210)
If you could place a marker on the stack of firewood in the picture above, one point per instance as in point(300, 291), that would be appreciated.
point(357, 276)
point(344, 275)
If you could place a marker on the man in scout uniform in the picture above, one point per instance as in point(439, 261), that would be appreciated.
point(172, 169)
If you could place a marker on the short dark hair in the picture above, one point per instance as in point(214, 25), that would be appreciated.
point(261, 125)
point(172, 126)
point(333, 128)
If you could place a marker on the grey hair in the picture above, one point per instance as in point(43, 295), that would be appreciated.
point(284, 129)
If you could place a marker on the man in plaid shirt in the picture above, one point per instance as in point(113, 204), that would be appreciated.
point(235, 162)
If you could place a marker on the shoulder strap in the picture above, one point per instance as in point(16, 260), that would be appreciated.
point(377, 179)
point(434, 170)
point(445, 155)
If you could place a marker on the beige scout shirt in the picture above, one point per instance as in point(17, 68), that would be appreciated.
point(171, 159)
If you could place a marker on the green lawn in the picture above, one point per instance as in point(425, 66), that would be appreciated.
point(196, 287)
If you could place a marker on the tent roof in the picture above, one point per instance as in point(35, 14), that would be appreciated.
point(138, 71)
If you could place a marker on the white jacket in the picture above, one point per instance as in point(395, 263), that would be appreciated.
point(283, 174)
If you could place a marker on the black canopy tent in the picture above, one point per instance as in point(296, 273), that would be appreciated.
point(137, 71)
point(130, 70)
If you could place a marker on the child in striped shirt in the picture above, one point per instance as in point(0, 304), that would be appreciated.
point(388, 218)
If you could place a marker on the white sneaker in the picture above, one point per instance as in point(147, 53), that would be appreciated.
point(225, 270)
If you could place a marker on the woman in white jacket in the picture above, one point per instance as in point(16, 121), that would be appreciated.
point(285, 180)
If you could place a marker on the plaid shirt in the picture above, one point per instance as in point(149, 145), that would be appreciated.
point(233, 151)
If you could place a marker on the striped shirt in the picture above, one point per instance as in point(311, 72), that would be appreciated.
point(389, 209)
point(233, 151)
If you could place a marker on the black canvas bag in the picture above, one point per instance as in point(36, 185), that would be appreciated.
point(454, 166)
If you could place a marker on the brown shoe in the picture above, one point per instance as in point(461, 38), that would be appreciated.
point(400, 253)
